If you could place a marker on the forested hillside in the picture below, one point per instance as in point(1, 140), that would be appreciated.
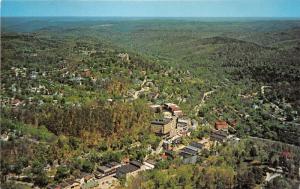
point(75, 94)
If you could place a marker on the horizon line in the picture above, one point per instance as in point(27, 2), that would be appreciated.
point(74, 16)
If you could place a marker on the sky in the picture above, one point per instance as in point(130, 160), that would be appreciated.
point(151, 8)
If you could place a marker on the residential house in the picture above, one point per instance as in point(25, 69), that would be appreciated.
point(190, 153)
point(221, 125)
point(196, 145)
point(183, 125)
point(173, 108)
point(219, 136)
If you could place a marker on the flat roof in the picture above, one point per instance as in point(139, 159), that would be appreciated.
point(193, 148)
point(136, 163)
point(161, 121)
point(127, 168)
point(196, 145)
point(189, 151)
point(103, 168)
point(112, 164)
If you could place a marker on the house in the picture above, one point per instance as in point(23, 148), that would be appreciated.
point(196, 145)
point(187, 152)
point(219, 136)
point(183, 124)
point(221, 125)
point(192, 149)
point(171, 107)
point(128, 169)
point(150, 164)
point(178, 113)
point(109, 168)
point(164, 126)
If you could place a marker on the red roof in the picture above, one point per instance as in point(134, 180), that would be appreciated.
point(221, 125)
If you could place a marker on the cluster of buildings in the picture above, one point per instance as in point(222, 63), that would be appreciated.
point(173, 123)
point(83, 181)
point(221, 134)
point(190, 153)
point(104, 175)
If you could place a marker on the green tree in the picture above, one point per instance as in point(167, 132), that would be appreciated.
point(61, 173)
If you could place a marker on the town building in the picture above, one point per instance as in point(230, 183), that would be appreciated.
point(128, 169)
point(109, 168)
point(164, 127)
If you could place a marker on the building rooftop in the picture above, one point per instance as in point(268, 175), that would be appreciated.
point(161, 121)
point(193, 148)
point(103, 168)
point(136, 163)
point(188, 151)
point(196, 145)
point(219, 135)
point(112, 164)
point(129, 168)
